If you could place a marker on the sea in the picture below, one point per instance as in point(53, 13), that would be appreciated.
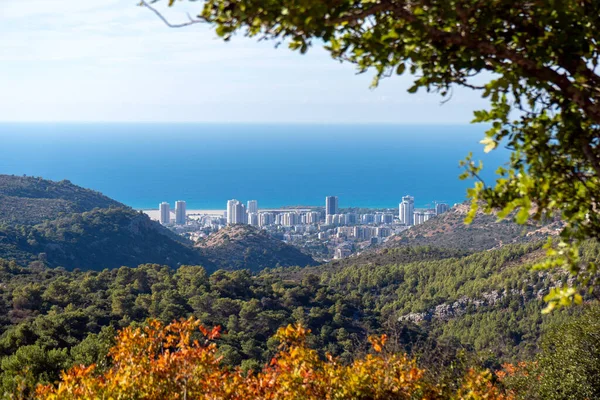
point(143, 164)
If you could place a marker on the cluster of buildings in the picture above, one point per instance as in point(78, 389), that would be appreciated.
point(327, 230)
point(180, 213)
point(238, 213)
point(410, 216)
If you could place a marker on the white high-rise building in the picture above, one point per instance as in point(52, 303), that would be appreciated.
point(331, 205)
point(351, 219)
point(252, 206)
point(253, 219)
point(388, 218)
point(241, 216)
point(407, 210)
point(419, 217)
point(165, 213)
point(266, 219)
point(236, 212)
point(312, 217)
point(230, 210)
point(290, 219)
point(180, 216)
point(367, 218)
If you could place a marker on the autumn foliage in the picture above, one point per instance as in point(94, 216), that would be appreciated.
point(180, 361)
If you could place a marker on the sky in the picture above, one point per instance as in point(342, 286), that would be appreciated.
point(110, 60)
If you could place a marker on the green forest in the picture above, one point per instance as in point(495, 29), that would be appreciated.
point(482, 308)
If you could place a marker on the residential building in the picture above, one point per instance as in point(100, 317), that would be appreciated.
point(351, 219)
point(230, 210)
point(331, 205)
point(313, 217)
point(236, 212)
point(252, 206)
point(418, 217)
point(253, 219)
point(383, 232)
point(266, 219)
point(429, 214)
point(290, 219)
point(388, 218)
point(329, 219)
point(367, 218)
point(165, 213)
point(441, 208)
point(339, 219)
point(407, 210)
point(180, 216)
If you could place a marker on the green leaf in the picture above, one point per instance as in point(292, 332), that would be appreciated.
point(490, 144)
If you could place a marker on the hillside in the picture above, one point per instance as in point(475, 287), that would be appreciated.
point(65, 225)
point(243, 246)
point(98, 239)
point(29, 200)
point(449, 231)
point(482, 308)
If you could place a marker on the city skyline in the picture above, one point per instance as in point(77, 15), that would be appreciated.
point(237, 213)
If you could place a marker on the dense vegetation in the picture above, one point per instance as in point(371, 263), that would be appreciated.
point(180, 360)
point(29, 200)
point(449, 307)
point(486, 304)
point(101, 238)
point(64, 225)
point(246, 247)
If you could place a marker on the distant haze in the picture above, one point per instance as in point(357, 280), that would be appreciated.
point(141, 165)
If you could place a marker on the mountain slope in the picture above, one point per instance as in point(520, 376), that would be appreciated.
point(29, 200)
point(469, 284)
point(98, 239)
point(243, 246)
point(449, 231)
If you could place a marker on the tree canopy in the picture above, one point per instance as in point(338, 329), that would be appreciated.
point(540, 61)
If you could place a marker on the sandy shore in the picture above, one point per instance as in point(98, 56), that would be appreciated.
point(155, 214)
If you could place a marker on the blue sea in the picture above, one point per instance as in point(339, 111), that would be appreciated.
point(278, 165)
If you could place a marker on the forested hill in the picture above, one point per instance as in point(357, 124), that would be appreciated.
point(485, 306)
point(246, 247)
point(98, 239)
point(64, 225)
point(29, 200)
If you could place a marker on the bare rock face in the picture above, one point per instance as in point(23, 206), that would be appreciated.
point(458, 308)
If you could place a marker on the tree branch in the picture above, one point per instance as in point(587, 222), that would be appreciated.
point(191, 21)
point(494, 52)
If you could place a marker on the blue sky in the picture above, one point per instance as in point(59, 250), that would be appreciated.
point(109, 60)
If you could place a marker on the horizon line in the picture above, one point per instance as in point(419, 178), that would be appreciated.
point(241, 122)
